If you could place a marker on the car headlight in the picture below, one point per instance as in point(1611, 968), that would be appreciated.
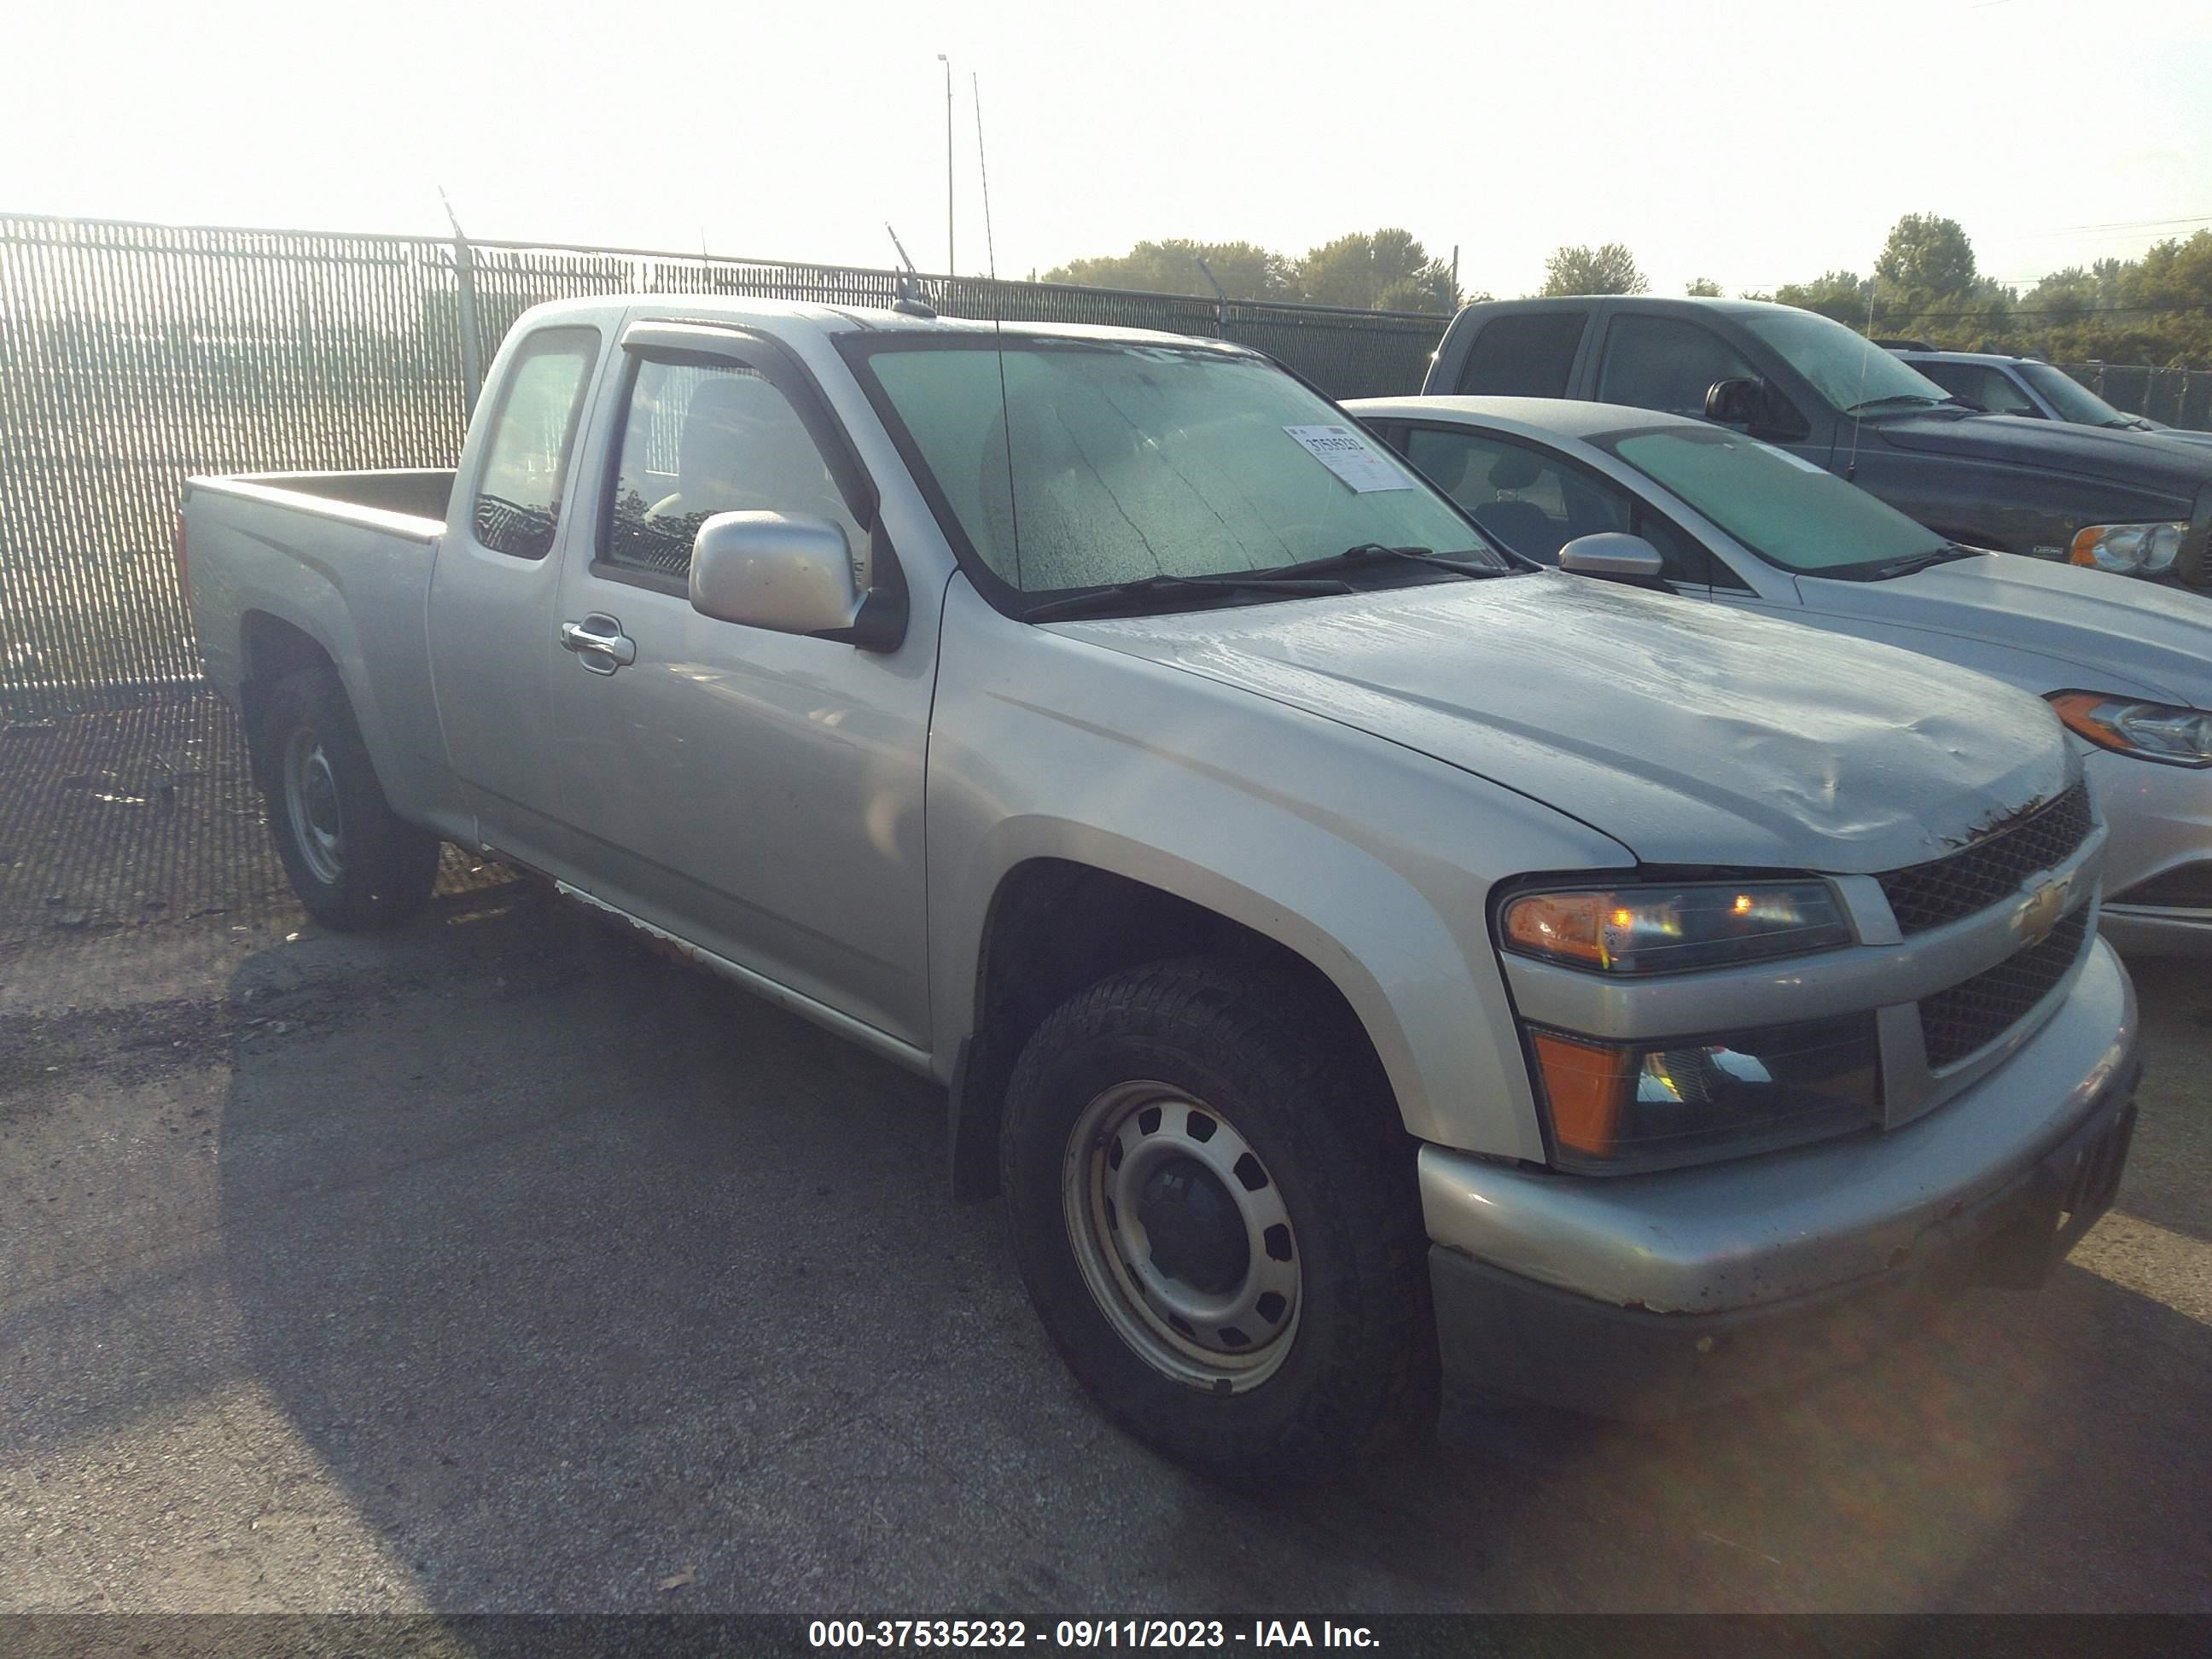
point(2149, 730)
point(2129, 550)
point(1657, 930)
point(1613, 1107)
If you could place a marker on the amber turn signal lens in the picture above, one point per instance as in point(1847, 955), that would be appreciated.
point(2079, 710)
point(1586, 1085)
point(1567, 926)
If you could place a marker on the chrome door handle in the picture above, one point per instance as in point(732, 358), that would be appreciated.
point(599, 643)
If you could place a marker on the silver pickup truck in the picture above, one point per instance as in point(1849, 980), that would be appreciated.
point(1359, 957)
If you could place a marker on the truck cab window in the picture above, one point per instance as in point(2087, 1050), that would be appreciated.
point(1524, 355)
point(1666, 363)
point(517, 508)
point(701, 439)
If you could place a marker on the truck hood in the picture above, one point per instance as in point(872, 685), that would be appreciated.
point(2110, 633)
point(2146, 461)
point(1692, 734)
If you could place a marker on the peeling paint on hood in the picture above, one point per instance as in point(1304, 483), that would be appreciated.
point(1692, 734)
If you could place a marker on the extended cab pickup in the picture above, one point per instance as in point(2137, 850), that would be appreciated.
point(1331, 929)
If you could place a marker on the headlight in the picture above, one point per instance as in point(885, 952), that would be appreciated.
point(1613, 1107)
point(1657, 930)
point(2129, 550)
point(2149, 730)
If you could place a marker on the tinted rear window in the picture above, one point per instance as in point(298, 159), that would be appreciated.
point(1523, 355)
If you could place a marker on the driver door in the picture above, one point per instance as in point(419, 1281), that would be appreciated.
point(754, 793)
point(1669, 364)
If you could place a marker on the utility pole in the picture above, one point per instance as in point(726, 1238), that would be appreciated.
point(947, 62)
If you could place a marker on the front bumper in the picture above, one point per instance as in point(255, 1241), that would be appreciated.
point(2161, 822)
point(1643, 1296)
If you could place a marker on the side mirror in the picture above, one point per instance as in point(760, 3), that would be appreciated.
point(1612, 553)
point(791, 573)
point(1735, 403)
point(1755, 406)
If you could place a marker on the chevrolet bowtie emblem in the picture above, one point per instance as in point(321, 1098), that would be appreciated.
point(2036, 917)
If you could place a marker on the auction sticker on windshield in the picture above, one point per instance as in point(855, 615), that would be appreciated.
point(1345, 454)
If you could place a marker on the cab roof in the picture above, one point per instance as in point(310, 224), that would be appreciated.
point(741, 309)
point(1563, 417)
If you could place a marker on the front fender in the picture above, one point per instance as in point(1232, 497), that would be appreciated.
point(1372, 863)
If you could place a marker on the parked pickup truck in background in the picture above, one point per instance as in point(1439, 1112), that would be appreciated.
point(1728, 518)
point(2135, 503)
point(1349, 961)
point(2001, 383)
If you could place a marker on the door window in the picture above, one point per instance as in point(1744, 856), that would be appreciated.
point(1666, 363)
point(517, 508)
point(1526, 354)
point(702, 439)
point(1537, 503)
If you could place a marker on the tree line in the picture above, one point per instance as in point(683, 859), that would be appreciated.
point(1924, 285)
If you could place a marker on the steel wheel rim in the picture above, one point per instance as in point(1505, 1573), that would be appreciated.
point(310, 801)
point(1147, 1168)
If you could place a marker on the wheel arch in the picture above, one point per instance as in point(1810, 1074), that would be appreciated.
point(1054, 924)
point(271, 647)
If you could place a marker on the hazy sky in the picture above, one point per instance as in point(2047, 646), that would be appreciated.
point(1755, 143)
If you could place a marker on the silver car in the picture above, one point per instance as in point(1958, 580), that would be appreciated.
point(2127, 665)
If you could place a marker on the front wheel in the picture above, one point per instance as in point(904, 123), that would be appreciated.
point(1214, 1210)
point(354, 863)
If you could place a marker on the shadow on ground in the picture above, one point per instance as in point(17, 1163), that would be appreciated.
point(581, 1269)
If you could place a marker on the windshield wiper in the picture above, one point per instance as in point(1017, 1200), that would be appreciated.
point(1376, 553)
point(1905, 399)
point(1144, 587)
point(1948, 553)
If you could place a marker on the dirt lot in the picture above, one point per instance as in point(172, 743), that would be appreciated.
point(497, 1264)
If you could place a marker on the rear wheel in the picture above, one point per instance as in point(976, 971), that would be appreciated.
point(1214, 1211)
point(354, 863)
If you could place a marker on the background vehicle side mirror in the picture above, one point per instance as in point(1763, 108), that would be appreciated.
point(791, 573)
point(1612, 553)
point(1755, 406)
point(1736, 402)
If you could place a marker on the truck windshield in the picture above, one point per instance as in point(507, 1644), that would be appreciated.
point(1788, 511)
point(1105, 461)
point(2074, 401)
point(1850, 370)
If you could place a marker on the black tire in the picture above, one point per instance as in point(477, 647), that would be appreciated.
point(1248, 1047)
point(381, 869)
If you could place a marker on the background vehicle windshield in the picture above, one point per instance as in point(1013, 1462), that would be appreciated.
point(1130, 460)
point(2074, 401)
point(1848, 368)
point(1788, 512)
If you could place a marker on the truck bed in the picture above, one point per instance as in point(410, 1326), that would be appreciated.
point(415, 493)
point(344, 559)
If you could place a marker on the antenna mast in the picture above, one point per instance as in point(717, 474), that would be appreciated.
point(998, 329)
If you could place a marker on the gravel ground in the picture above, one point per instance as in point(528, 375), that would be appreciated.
point(496, 1263)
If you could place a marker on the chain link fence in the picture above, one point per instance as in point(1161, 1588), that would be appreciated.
point(132, 356)
point(2178, 397)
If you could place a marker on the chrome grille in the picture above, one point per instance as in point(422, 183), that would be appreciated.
point(1925, 896)
point(1954, 1024)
